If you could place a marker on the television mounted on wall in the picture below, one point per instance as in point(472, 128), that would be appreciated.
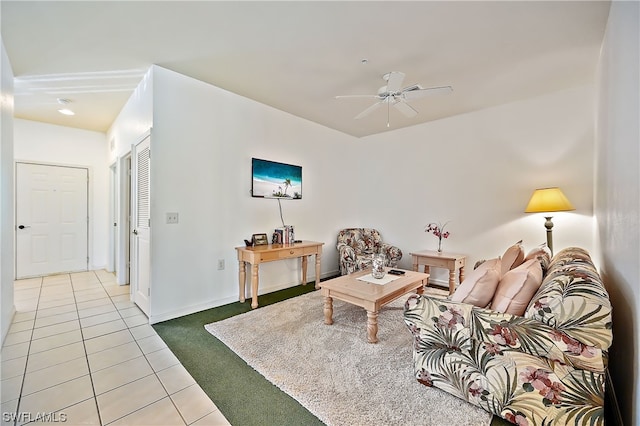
point(271, 179)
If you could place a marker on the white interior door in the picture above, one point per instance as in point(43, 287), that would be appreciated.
point(141, 225)
point(51, 219)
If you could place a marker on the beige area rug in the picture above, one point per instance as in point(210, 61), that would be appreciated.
point(332, 370)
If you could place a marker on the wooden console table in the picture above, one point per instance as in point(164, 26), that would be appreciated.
point(451, 261)
point(271, 252)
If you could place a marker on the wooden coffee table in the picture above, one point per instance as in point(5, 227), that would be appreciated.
point(369, 296)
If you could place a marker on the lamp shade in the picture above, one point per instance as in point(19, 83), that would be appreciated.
point(548, 200)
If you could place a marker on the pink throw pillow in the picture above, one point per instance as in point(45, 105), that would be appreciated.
point(479, 286)
point(543, 254)
point(517, 287)
point(512, 257)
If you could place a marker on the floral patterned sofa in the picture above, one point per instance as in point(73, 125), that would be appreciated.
point(546, 367)
point(357, 245)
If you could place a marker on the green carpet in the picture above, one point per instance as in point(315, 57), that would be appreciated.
point(241, 394)
point(244, 396)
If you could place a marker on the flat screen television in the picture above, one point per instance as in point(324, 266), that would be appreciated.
point(270, 179)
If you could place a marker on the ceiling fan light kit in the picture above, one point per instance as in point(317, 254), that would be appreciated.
point(393, 94)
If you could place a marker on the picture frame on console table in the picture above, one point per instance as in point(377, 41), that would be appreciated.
point(260, 239)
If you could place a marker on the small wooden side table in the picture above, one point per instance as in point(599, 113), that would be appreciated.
point(451, 261)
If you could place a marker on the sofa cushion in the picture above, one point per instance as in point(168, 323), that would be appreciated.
point(542, 254)
point(512, 257)
point(480, 285)
point(517, 287)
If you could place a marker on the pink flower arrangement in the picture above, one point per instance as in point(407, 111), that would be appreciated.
point(438, 230)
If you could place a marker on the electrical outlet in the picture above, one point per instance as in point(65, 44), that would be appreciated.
point(172, 217)
point(220, 264)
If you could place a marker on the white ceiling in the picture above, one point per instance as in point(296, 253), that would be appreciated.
point(297, 55)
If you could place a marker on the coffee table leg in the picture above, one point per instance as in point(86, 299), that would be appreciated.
point(372, 327)
point(328, 310)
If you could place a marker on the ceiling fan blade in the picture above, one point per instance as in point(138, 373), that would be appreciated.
point(394, 81)
point(406, 109)
point(421, 93)
point(368, 110)
point(357, 96)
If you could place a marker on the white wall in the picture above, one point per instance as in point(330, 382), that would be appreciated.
point(478, 171)
point(49, 144)
point(202, 143)
point(7, 256)
point(617, 197)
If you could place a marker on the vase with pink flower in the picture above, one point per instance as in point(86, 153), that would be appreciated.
point(437, 229)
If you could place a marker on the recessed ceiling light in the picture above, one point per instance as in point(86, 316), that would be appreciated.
point(65, 111)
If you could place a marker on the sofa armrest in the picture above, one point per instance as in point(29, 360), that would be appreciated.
point(346, 258)
point(450, 326)
point(392, 252)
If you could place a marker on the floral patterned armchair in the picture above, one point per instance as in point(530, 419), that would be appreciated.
point(544, 368)
point(357, 245)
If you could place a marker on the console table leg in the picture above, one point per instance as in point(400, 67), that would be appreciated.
point(318, 257)
point(461, 272)
point(254, 286)
point(328, 310)
point(242, 276)
point(304, 270)
point(372, 327)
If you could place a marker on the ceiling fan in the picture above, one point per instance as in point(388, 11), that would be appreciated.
point(393, 94)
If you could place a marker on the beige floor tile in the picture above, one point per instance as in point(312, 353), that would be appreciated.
point(55, 356)
point(126, 399)
point(82, 413)
point(117, 290)
point(213, 419)
point(13, 367)
point(43, 313)
point(9, 409)
point(97, 310)
point(28, 282)
point(17, 337)
point(104, 328)
point(124, 304)
point(87, 295)
point(55, 319)
point(120, 374)
point(142, 331)
point(29, 293)
point(52, 330)
point(159, 413)
point(43, 304)
point(107, 341)
point(10, 388)
point(113, 356)
point(193, 403)
point(175, 378)
point(59, 397)
point(14, 351)
point(122, 298)
point(99, 319)
point(55, 341)
point(129, 311)
point(162, 359)
point(21, 326)
point(151, 344)
point(24, 315)
point(136, 320)
point(93, 303)
point(54, 375)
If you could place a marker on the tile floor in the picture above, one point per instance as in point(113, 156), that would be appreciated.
point(79, 352)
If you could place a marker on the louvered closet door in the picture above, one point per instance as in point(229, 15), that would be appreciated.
point(141, 225)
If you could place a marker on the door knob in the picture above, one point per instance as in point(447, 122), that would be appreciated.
point(23, 226)
point(135, 232)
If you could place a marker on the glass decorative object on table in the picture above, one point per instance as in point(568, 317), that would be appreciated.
point(377, 270)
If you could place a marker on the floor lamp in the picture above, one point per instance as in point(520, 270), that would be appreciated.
point(548, 200)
